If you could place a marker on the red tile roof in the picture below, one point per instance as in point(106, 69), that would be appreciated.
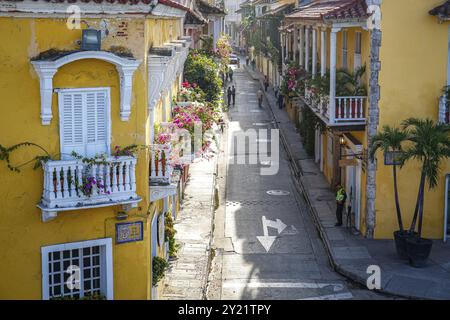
point(332, 10)
point(443, 11)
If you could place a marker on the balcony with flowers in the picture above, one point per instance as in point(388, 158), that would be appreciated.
point(349, 106)
point(82, 182)
point(188, 136)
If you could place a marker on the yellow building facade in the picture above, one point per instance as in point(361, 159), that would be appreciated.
point(63, 98)
point(414, 62)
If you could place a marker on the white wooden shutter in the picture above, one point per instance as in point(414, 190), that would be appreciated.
point(96, 124)
point(71, 122)
point(84, 122)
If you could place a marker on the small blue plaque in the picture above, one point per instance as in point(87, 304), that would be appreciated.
point(129, 232)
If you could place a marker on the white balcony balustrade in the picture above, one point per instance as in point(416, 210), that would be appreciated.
point(160, 169)
point(347, 110)
point(350, 109)
point(74, 185)
point(161, 185)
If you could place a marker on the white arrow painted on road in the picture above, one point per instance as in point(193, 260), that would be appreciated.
point(278, 224)
point(266, 240)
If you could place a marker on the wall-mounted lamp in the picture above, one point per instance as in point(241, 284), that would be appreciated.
point(91, 40)
point(342, 140)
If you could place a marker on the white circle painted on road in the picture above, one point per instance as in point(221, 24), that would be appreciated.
point(278, 192)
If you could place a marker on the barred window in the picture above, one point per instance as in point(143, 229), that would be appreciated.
point(76, 270)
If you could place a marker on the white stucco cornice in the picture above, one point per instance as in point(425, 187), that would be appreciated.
point(46, 69)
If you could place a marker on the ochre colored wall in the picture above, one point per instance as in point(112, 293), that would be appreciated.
point(22, 232)
point(413, 71)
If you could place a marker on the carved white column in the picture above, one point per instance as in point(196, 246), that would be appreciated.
point(294, 43)
point(314, 52)
point(301, 46)
point(323, 52)
point(333, 37)
point(307, 48)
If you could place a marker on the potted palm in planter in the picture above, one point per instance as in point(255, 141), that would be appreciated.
point(390, 139)
point(430, 146)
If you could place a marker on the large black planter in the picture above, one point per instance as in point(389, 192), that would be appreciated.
point(400, 243)
point(418, 250)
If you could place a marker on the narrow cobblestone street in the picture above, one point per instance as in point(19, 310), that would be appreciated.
point(266, 244)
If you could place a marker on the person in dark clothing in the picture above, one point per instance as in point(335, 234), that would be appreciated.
point(253, 64)
point(230, 74)
point(266, 83)
point(280, 101)
point(233, 94)
point(229, 93)
point(247, 60)
point(341, 197)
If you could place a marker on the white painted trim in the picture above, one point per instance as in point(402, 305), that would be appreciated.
point(333, 46)
point(42, 7)
point(314, 52)
point(47, 69)
point(307, 29)
point(105, 242)
point(323, 53)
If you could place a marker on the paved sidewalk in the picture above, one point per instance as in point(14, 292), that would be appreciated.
point(351, 254)
point(188, 273)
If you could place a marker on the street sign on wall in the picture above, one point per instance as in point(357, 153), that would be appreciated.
point(129, 232)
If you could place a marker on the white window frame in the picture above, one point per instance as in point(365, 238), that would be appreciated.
point(358, 48)
point(344, 49)
point(61, 93)
point(106, 263)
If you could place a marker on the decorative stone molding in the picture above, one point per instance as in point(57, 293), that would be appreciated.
point(161, 192)
point(158, 62)
point(46, 69)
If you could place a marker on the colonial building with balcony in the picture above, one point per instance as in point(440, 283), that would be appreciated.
point(86, 93)
point(329, 40)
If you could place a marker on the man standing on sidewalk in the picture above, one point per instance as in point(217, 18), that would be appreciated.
point(341, 197)
point(266, 83)
point(233, 94)
point(280, 101)
point(229, 92)
point(260, 98)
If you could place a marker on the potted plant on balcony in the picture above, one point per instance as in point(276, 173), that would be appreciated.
point(430, 145)
point(349, 84)
point(391, 139)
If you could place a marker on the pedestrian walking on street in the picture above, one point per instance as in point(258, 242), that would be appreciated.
point(229, 93)
point(233, 94)
point(253, 64)
point(280, 101)
point(341, 197)
point(247, 60)
point(266, 83)
point(230, 74)
point(260, 98)
point(276, 90)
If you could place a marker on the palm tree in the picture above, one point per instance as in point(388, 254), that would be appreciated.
point(430, 146)
point(390, 139)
